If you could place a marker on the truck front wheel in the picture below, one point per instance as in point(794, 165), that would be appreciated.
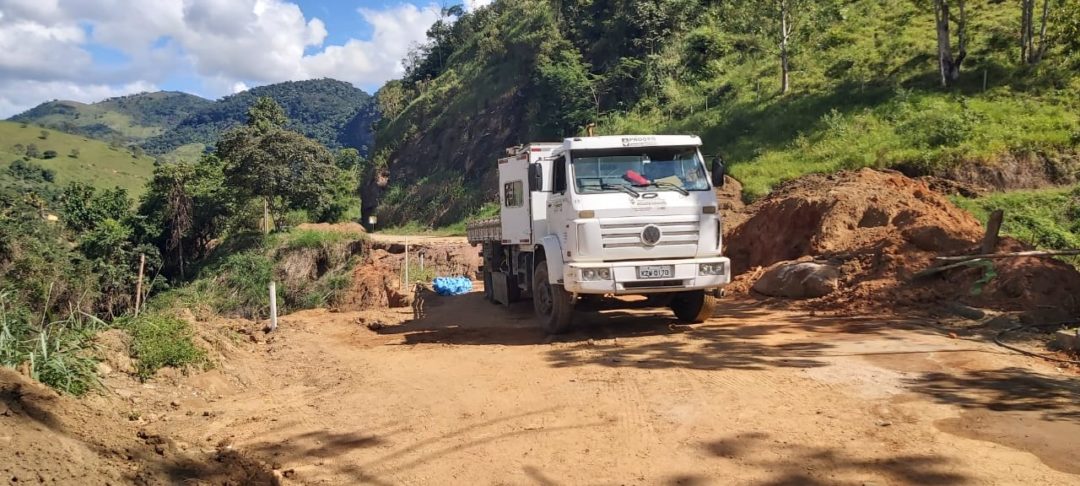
point(693, 306)
point(554, 306)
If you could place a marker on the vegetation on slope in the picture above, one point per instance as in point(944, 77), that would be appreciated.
point(1046, 218)
point(864, 90)
point(75, 158)
point(70, 255)
point(334, 113)
point(178, 126)
point(124, 119)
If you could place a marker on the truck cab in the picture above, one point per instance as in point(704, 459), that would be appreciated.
point(606, 216)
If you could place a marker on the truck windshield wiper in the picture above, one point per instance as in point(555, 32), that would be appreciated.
point(621, 187)
point(671, 186)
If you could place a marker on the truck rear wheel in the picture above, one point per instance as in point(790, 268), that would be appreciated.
point(554, 305)
point(693, 306)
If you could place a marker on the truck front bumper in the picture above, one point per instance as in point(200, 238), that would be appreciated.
point(624, 277)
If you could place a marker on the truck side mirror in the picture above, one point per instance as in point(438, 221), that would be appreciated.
point(536, 177)
point(718, 172)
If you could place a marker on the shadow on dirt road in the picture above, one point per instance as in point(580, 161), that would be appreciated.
point(796, 464)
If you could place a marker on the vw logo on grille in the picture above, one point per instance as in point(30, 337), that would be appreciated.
point(650, 235)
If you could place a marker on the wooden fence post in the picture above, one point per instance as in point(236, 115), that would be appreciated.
point(273, 306)
point(993, 227)
point(138, 284)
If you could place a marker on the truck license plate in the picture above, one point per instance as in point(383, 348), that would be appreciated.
point(656, 271)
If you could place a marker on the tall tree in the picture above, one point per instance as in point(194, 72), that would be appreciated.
point(283, 168)
point(785, 24)
point(949, 62)
point(178, 210)
point(266, 115)
point(1033, 44)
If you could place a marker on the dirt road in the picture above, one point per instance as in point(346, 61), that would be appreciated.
point(476, 394)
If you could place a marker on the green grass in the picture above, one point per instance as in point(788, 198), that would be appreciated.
point(57, 353)
point(95, 118)
point(1046, 219)
point(97, 163)
point(315, 239)
point(185, 153)
point(488, 210)
point(235, 278)
point(415, 228)
point(864, 94)
point(160, 340)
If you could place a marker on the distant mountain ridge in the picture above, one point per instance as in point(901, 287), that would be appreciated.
point(127, 119)
point(167, 122)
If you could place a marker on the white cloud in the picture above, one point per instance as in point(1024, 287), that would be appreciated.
point(225, 44)
point(475, 4)
point(377, 60)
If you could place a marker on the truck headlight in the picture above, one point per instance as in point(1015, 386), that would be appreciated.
point(711, 269)
point(593, 274)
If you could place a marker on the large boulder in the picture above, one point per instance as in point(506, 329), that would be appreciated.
point(798, 280)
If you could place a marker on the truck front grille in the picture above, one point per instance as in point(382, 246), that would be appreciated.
point(628, 235)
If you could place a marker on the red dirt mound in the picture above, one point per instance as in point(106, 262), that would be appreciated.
point(881, 228)
point(375, 284)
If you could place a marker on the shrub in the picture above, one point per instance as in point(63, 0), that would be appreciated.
point(703, 45)
point(244, 281)
point(55, 352)
point(49, 154)
point(938, 128)
point(160, 340)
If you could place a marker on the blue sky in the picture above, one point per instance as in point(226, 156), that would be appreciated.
point(87, 50)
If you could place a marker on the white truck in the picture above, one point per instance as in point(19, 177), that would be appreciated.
point(605, 216)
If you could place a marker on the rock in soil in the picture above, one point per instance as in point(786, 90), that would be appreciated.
point(798, 280)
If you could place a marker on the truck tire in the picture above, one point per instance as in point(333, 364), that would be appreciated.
point(554, 305)
point(693, 306)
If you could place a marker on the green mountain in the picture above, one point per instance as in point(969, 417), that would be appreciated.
point(333, 112)
point(865, 89)
point(126, 119)
point(76, 158)
point(179, 125)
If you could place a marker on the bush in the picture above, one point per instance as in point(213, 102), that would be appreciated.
point(49, 154)
point(703, 45)
point(933, 128)
point(54, 353)
point(243, 283)
point(160, 340)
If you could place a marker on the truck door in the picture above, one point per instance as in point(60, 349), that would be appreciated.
point(558, 206)
point(514, 196)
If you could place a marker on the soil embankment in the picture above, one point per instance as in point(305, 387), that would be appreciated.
point(881, 228)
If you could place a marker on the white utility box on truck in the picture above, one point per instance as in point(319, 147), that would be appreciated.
point(605, 216)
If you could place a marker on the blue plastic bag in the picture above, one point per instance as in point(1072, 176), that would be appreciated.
point(452, 285)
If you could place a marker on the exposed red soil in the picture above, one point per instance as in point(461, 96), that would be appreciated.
point(377, 280)
point(880, 228)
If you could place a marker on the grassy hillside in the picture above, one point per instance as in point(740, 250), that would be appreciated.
point(133, 118)
point(1046, 218)
point(178, 126)
point(866, 94)
point(865, 91)
point(96, 163)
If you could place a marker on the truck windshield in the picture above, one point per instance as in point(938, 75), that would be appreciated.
point(661, 168)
